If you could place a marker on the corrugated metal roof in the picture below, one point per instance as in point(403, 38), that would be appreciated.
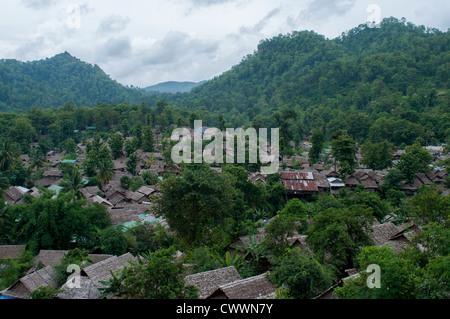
point(299, 181)
point(297, 176)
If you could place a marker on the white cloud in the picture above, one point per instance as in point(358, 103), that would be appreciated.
point(38, 4)
point(146, 42)
point(113, 24)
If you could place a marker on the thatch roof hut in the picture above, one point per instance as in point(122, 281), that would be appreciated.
point(11, 251)
point(257, 287)
point(127, 212)
point(209, 281)
point(53, 258)
point(48, 258)
point(87, 290)
point(13, 195)
point(92, 275)
point(101, 271)
point(383, 232)
point(45, 277)
point(397, 237)
point(146, 190)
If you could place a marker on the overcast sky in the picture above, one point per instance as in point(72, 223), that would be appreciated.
point(142, 43)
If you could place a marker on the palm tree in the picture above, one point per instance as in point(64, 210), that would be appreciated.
point(4, 183)
point(105, 170)
point(74, 184)
point(8, 155)
point(37, 158)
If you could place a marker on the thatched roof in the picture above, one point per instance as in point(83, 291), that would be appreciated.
point(257, 178)
point(257, 287)
point(13, 195)
point(53, 258)
point(351, 181)
point(101, 271)
point(11, 251)
point(116, 198)
point(46, 182)
point(56, 173)
point(321, 180)
point(146, 190)
point(112, 188)
point(134, 196)
point(120, 164)
point(209, 281)
point(127, 213)
point(48, 258)
point(87, 290)
point(44, 277)
point(383, 233)
point(397, 237)
point(100, 200)
point(91, 191)
point(369, 182)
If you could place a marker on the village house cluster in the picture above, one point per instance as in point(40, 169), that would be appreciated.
point(130, 208)
point(222, 283)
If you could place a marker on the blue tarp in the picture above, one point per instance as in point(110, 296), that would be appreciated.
point(4, 297)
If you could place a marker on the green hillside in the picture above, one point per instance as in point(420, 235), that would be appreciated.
point(387, 83)
point(55, 81)
point(367, 81)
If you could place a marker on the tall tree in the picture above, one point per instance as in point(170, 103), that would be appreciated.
point(49, 223)
point(430, 206)
point(340, 233)
point(415, 160)
point(138, 133)
point(8, 155)
point(116, 145)
point(344, 152)
point(317, 139)
point(105, 166)
point(73, 182)
point(301, 275)
point(148, 140)
point(159, 277)
point(377, 156)
point(196, 203)
point(132, 164)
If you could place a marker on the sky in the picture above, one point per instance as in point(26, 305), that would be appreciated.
point(142, 43)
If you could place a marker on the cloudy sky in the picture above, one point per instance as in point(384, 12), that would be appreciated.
point(142, 43)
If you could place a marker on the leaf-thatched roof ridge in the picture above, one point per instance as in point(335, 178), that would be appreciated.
point(11, 251)
point(101, 271)
point(87, 290)
point(45, 277)
point(383, 233)
point(257, 287)
point(209, 281)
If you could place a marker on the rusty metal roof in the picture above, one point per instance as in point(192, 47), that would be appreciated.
point(297, 176)
point(299, 182)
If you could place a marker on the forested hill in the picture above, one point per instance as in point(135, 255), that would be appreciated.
point(55, 81)
point(299, 81)
point(388, 83)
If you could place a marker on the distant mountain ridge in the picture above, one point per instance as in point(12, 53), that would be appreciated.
point(55, 81)
point(173, 87)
